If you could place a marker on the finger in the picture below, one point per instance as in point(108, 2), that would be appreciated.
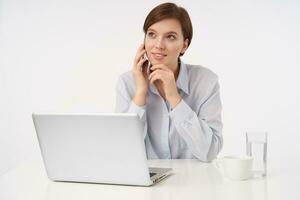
point(155, 77)
point(156, 73)
point(159, 71)
point(142, 46)
point(152, 74)
point(139, 55)
point(161, 67)
point(140, 63)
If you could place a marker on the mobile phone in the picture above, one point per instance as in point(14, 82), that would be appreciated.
point(147, 63)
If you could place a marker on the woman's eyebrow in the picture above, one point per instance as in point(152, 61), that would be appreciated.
point(171, 32)
point(150, 29)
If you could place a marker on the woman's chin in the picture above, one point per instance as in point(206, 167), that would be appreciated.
point(156, 62)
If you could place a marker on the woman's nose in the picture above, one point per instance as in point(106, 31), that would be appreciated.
point(159, 44)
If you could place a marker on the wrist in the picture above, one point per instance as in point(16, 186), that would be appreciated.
point(139, 92)
point(174, 101)
point(139, 99)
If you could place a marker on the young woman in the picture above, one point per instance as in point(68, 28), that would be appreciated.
point(179, 104)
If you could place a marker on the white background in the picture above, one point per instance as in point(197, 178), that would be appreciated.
point(66, 56)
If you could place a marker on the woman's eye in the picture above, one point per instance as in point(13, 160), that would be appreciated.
point(151, 34)
point(171, 37)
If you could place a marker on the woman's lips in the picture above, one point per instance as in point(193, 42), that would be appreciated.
point(158, 56)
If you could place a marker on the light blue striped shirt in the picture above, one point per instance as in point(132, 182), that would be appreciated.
point(193, 129)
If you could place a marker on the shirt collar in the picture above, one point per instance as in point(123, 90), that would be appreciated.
point(181, 83)
point(182, 80)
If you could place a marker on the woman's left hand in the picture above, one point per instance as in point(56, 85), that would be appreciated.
point(166, 76)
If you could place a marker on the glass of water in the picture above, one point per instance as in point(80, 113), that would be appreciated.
point(256, 146)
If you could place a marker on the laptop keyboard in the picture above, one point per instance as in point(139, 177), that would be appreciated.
point(152, 174)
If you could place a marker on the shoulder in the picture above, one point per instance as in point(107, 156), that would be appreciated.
point(202, 81)
point(126, 82)
point(126, 77)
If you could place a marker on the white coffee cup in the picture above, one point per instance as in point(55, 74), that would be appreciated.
point(236, 167)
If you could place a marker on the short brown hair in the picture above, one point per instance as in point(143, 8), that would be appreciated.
point(167, 11)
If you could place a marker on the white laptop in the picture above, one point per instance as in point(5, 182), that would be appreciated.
point(95, 148)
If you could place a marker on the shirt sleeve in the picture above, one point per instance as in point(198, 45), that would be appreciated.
point(124, 104)
point(201, 130)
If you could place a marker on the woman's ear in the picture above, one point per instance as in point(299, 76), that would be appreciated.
point(185, 46)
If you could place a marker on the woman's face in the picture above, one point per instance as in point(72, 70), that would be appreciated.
point(164, 42)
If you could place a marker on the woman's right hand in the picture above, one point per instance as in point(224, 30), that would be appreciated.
point(140, 75)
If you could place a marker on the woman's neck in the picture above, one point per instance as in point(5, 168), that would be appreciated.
point(176, 69)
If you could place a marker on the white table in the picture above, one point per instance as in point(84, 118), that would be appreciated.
point(191, 180)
